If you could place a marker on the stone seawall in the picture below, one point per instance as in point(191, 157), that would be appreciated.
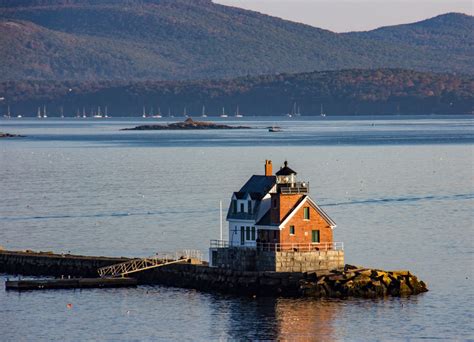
point(249, 259)
point(210, 279)
point(199, 277)
point(50, 264)
point(346, 282)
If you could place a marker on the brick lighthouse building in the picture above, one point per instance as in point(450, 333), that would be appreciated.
point(274, 225)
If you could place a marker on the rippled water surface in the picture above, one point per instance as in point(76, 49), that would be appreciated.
point(400, 189)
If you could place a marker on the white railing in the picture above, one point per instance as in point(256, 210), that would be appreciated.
point(219, 244)
point(279, 247)
point(143, 264)
point(297, 188)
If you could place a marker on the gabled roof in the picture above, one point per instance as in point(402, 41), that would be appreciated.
point(259, 184)
point(256, 187)
point(285, 171)
point(307, 199)
point(265, 220)
point(256, 196)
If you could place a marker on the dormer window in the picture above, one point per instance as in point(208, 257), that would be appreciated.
point(234, 206)
point(242, 208)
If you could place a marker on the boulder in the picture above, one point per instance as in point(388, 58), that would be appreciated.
point(363, 283)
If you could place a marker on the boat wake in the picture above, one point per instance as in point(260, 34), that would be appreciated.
point(403, 199)
point(96, 215)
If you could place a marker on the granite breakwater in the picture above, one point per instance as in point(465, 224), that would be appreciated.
point(349, 281)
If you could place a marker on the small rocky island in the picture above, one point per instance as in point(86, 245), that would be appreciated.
point(188, 124)
point(8, 135)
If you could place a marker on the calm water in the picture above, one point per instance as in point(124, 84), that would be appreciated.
point(401, 191)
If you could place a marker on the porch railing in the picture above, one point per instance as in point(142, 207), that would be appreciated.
point(283, 247)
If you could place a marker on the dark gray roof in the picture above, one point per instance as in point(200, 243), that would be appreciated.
point(259, 184)
point(257, 187)
point(256, 196)
point(265, 220)
point(285, 171)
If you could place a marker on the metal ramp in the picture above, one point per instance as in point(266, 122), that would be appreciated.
point(143, 264)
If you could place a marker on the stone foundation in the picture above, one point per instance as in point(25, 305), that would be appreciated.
point(249, 259)
point(350, 281)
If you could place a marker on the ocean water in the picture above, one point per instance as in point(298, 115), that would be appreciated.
point(400, 189)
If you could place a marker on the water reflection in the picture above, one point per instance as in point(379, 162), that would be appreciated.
point(282, 319)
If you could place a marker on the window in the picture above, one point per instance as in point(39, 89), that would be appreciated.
point(306, 213)
point(292, 230)
point(253, 233)
point(249, 206)
point(274, 234)
point(275, 204)
point(234, 206)
point(242, 207)
point(248, 233)
point(242, 235)
point(315, 236)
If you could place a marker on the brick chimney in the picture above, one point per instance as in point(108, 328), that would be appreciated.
point(268, 168)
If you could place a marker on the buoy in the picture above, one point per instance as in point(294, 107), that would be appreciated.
point(69, 305)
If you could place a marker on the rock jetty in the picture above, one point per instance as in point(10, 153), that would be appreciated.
point(362, 283)
point(346, 282)
point(188, 124)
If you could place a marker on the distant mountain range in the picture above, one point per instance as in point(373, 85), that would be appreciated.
point(345, 92)
point(131, 40)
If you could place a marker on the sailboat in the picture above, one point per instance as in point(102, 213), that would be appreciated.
point(203, 115)
point(19, 116)
point(298, 113)
point(84, 112)
point(8, 115)
point(144, 113)
point(322, 112)
point(62, 112)
point(274, 128)
point(38, 115)
point(185, 113)
point(158, 115)
point(44, 112)
point(293, 112)
point(106, 115)
point(98, 115)
point(237, 114)
point(169, 113)
point(223, 115)
point(78, 113)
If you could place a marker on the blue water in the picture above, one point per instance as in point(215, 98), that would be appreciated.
point(400, 189)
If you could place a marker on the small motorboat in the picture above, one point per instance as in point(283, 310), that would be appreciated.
point(274, 129)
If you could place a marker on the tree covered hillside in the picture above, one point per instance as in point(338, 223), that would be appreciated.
point(347, 92)
point(95, 40)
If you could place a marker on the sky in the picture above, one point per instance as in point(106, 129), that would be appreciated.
point(353, 15)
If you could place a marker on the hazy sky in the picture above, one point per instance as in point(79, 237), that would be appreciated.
point(353, 15)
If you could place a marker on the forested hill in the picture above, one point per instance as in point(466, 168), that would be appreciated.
point(97, 40)
point(347, 92)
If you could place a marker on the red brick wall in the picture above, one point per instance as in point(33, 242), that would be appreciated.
point(304, 227)
point(283, 206)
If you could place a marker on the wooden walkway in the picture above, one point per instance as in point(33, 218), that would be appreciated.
point(74, 283)
point(139, 265)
